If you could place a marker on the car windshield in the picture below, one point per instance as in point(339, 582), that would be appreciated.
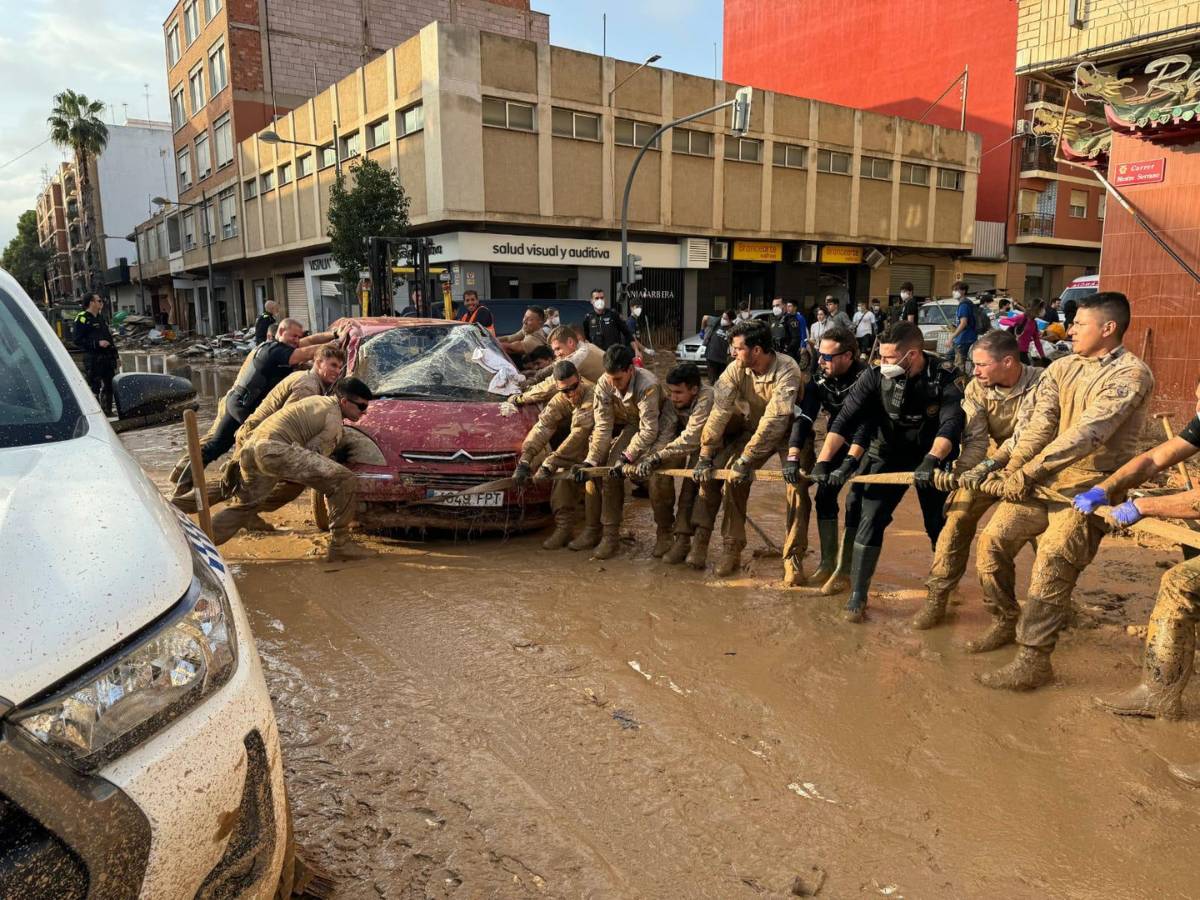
point(1076, 294)
point(937, 314)
point(437, 362)
point(36, 404)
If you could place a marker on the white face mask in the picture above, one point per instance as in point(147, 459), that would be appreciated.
point(598, 305)
point(894, 370)
point(958, 295)
point(637, 311)
point(725, 323)
point(744, 314)
point(777, 310)
point(552, 321)
point(906, 295)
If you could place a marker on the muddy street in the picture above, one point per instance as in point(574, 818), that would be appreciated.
point(489, 719)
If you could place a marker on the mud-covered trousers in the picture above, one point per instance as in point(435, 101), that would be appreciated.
point(1172, 631)
point(612, 490)
point(964, 509)
point(870, 506)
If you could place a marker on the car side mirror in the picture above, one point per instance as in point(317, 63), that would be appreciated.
point(145, 399)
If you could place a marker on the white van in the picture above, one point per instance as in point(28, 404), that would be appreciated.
point(139, 755)
point(1079, 288)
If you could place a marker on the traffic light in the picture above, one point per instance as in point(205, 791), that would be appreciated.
point(631, 270)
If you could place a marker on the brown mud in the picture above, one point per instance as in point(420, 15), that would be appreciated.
point(488, 719)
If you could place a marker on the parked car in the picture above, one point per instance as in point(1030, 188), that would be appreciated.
point(435, 429)
point(937, 322)
point(1080, 288)
point(692, 349)
point(139, 755)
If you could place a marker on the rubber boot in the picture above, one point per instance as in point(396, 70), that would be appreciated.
point(839, 581)
point(931, 613)
point(1031, 669)
point(259, 525)
point(1189, 775)
point(1001, 633)
point(793, 571)
point(587, 539)
point(827, 532)
point(731, 558)
point(609, 543)
point(346, 549)
point(561, 535)
point(697, 557)
point(862, 570)
point(1170, 653)
point(662, 543)
point(679, 549)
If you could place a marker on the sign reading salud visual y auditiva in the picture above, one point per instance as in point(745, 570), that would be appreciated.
point(758, 251)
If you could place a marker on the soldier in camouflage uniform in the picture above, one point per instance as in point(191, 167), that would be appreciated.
point(1089, 412)
point(566, 344)
point(571, 406)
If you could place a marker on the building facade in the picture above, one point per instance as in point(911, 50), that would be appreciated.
point(1039, 224)
point(1137, 70)
point(52, 235)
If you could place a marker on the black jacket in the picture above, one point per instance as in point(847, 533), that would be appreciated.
point(261, 324)
point(829, 394)
point(605, 329)
point(90, 330)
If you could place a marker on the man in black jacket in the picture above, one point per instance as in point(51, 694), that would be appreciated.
point(262, 325)
point(603, 327)
point(100, 359)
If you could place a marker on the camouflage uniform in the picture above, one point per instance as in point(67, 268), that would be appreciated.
point(567, 494)
point(589, 362)
point(528, 342)
point(682, 451)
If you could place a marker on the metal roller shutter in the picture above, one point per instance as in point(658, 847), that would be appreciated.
point(977, 283)
point(297, 302)
point(920, 276)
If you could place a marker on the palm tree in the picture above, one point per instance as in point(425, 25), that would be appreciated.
point(75, 123)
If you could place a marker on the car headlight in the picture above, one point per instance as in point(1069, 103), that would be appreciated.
point(126, 698)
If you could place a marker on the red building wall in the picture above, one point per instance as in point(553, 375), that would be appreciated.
point(892, 57)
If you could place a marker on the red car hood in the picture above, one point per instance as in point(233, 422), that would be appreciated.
point(401, 424)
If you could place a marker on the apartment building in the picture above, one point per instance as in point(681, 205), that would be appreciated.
point(52, 235)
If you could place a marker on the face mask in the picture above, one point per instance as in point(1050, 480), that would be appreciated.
point(553, 322)
point(894, 370)
point(725, 323)
point(744, 314)
point(777, 310)
point(637, 311)
point(958, 295)
point(598, 305)
point(906, 295)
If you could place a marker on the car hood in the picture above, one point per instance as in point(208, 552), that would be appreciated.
point(402, 424)
point(91, 553)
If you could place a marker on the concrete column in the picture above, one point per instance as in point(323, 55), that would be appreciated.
point(718, 214)
point(545, 135)
point(768, 171)
point(894, 218)
point(856, 173)
point(608, 206)
point(810, 188)
point(666, 155)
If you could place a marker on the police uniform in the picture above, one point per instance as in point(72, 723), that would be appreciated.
point(910, 412)
point(680, 450)
point(785, 335)
point(716, 351)
point(566, 494)
point(99, 363)
point(261, 326)
point(605, 329)
point(1086, 423)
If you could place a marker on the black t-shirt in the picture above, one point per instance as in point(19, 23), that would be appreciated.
point(1191, 433)
point(910, 308)
point(481, 316)
point(265, 321)
point(273, 363)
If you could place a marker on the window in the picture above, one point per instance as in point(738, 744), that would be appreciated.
point(834, 162)
point(1079, 205)
point(178, 110)
point(379, 133)
point(327, 156)
point(183, 165)
point(227, 206)
point(911, 173)
point(507, 114)
point(211, 8)
point(743, 149)
point(218, 72)
point(191, 22)
point(874, 167)
point(1101, 206)
point(161, 233)
point(196, 86)
point(1027, 201)
point(694, 143)
point(790, 155)
point(189, 231)
point(173, 44)
point(304, 165)
point(348, 146)
point(950, 179)
point(173, 241)
point(267, 181)
point(285, 174)
point(411, 119)
point(250, 189)
point(634, 134)
point(223, 138)
point(203, 158)
point(210, 224)
point(579, 125)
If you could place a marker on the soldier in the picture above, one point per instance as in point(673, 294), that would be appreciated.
point(294, 445)
point(100, 358)
point(1088, 416)
point(840, 368)
point(571, 406)
point(752, 409)
point(587, 358)
point(915, 400)
point(630, 416)
point(1000, 395)
point(693, 402)
point(528, 338)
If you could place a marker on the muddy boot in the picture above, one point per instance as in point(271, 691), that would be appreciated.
point(588, 538)
point(662, 543)
point(827, 532)
point(679, 549)
point(561, 534)
point(839, 581)
point(731, 558)
point(259, 525)
point(1189, 775)
point(1031, 669)
point(1001, 633)
point(793, 571)
point(1170, 652)
point(931, 613)
point(862, 570)
point(347, 549)
point(697, 557)
point(609, 543)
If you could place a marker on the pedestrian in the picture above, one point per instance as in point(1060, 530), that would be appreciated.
point(262, 325)
point(802, 355)
point(693, 402)
point(909, 307)
point(100, 358)
point(752, 409)
point(571, 408)
point(1051, 313)
point(1068, 312)
point(565, 343)
point(915, 400)
point(603, 327)
point(785, 331)
point(965, 329)
point(864, 327)
point(837, 318)
point(817, 330)
point(1090, 409)
point(552, 321)
point(878, 313)
point(997, 401)
point(294, 445)
point(522, 342)
point(840, 368)
point(1025, 326)
point(716, 346)
point(476, 313)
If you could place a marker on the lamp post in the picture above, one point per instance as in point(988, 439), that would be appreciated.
point(270, 136)
point(203, 207)
point(650, 60)
point(133, 239)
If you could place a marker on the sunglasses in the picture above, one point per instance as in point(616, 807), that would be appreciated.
point(828, 357)
point(570, 388)
point(361, 404)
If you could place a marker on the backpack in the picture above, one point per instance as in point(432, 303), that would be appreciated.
point(983, 324)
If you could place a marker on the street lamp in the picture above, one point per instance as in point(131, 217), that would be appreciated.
point(650, 60)
point(132, 238)
point(208, 239)
point(270, 136)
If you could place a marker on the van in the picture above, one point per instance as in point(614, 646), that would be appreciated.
point(1079, 288)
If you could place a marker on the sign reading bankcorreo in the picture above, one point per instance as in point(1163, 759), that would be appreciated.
point(758, 251)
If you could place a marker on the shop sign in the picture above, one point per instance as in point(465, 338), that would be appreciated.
point(758, 251)
point(841, 256)
point(1149, 171)
point(320, 265)
point(543, 250)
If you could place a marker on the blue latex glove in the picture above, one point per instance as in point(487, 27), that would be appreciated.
point(1125, 514)
point(1089, 500)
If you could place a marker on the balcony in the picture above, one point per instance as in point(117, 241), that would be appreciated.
point(1034, 225)
point(1037, 155)
point(1038, 92)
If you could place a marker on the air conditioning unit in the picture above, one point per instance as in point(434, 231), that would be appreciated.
point(806, 253)
point(874, 258)
point(1024, 126)
point(719, 250)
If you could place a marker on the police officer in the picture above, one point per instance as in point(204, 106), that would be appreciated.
point(100, 359)
point(915, 399)
point(839, 370)
point(716, 345)
point(603, 327)
point(785, 330)
point(263, 323)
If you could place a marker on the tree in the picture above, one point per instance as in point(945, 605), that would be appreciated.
point(24, 258)
point(75, 124)
point(375, 205)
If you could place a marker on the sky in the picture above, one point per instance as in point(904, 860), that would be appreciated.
point(111, 50)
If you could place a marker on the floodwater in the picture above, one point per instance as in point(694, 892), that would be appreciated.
point(488, 719)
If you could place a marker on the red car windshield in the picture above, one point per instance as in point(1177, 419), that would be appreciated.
point(434, 362)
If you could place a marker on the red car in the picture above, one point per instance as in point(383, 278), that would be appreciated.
point(438, 430)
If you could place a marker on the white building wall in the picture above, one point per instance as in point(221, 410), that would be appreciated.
point(130, 171)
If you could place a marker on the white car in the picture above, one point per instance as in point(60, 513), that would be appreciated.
point(692, 349)
point(937, 322)
point(139, 755)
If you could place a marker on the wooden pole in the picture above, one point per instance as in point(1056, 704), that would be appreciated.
point(1187, 479)
point(199, 488)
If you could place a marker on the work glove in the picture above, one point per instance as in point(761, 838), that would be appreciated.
point(1089, 500)
point(622, 469)
point(791, 471)
point(923, 473)
point(1016, 486)
point(521, 474)
point(742, 472)
point(820, 473)
point(508, 408)
point(544, 473)
point(579, 472)
point(843, 473)
point(944, 481)
point(703, 472)
point(974, 477)
point(647, 466)
point(1124, 515)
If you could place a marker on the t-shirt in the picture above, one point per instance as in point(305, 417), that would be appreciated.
point(910, 308)
point(261, 325)
point(864, 324)
point(528, 342)
point(966, 310)
point(481, 316)
point(273, 361)
point(1191, 433)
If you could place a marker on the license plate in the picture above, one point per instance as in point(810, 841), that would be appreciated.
point(453, 498)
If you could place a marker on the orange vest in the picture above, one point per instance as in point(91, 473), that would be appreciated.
point(470, 317)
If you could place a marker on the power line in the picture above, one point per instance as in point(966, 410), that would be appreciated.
point(26, 153)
